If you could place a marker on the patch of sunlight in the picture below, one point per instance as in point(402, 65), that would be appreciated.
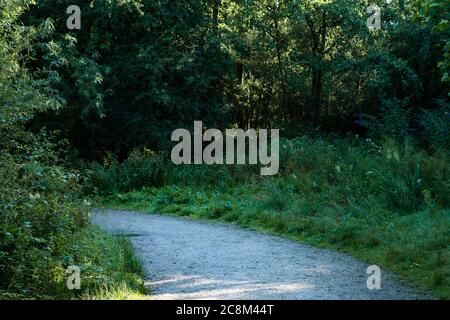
point(199, 288)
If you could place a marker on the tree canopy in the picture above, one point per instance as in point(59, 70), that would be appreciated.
point(138, 69)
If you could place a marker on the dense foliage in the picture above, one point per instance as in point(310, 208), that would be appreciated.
point(138, 69)
point(92, 110)
point(43, 217)
point(384, 203)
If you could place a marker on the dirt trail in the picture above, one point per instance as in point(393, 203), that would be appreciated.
point(187, 259)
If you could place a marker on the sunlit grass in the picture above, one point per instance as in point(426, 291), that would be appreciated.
point(387, 205)
point(115, 292)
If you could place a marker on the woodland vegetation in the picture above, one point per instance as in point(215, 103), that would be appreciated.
point(86, 117)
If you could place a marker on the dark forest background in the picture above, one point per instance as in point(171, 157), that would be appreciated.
point(137, 70)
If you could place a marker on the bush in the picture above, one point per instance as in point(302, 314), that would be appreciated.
point(44, 222)
point(435, 124)
point(142, 169)
point(40, 208)
point(397, 174)
point(394, 120)
point(45, 228)
point(147, 169)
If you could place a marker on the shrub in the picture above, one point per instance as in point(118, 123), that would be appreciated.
point(435, 124)
point(45, 228)
point(40, 208)
point(142, 169)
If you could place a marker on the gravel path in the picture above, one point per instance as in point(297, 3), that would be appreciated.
point(187, 259)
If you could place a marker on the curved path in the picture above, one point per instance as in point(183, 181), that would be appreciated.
point(187, 259)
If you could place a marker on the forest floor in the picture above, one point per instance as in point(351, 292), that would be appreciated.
point(195, 259)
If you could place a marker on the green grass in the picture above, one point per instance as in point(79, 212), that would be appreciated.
point(109, 270)
point(45, 228)
point(415, 246)
point(388, 204)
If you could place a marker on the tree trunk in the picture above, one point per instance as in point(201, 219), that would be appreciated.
point(316, 96)
point(318, 41)
point(240, 72)
point(216, 7)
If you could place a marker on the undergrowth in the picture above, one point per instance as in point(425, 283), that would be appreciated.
point(385, 204)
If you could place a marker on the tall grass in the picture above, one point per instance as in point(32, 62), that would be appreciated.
point(386, 203)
